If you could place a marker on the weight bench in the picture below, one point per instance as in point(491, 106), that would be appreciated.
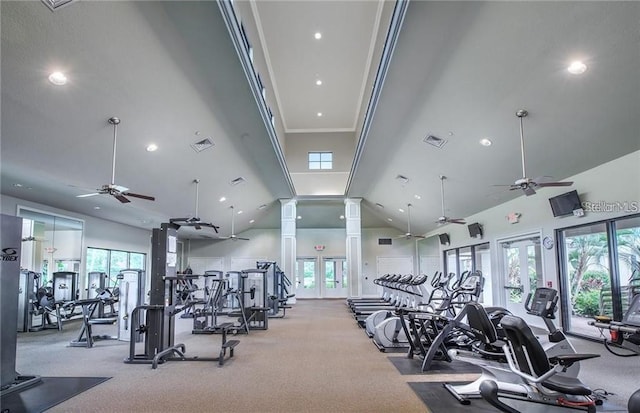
point(86, 337)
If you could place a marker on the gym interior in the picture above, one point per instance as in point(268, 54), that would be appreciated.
point(309, 206)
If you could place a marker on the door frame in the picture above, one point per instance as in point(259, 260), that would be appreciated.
point(501, 280)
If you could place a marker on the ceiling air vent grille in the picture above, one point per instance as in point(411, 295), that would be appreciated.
point(202, 145)
point(435, 141)
point(402, 179)
point(384, 241)
point(237, 181)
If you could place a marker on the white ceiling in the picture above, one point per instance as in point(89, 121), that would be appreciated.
point(168, 69)
point(340, 59)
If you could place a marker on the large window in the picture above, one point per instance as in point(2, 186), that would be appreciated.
point(470, 258)
point(112, 262)
point(320, 160)
point(599, 271)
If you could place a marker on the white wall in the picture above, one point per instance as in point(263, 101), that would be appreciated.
point(371, 251)
point(618, 180)
point(262, 244)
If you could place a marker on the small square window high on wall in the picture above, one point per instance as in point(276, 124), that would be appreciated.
point(320, 160)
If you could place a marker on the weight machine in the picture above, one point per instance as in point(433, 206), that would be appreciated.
point(278, 285)
point(159, 315)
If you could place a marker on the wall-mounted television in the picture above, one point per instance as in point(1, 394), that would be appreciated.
point(565, 204)
point(475, 230)
point(444, 239)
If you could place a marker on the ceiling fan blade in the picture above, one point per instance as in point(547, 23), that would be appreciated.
point(529, 191)
point(457, 221)
point(87, 195)
point(172, 220)
point(147, 197)
point(209, 225)
point(242, 239)
point(543, 184)
point(121, 198)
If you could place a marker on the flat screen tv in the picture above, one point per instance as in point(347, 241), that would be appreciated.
point(565, 204)
point(444, 239)
point(475, 230)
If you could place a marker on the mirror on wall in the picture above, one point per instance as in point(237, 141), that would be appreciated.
point(50, 243)
point(429, 255)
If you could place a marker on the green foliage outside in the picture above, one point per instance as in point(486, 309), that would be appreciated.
point(587, 303)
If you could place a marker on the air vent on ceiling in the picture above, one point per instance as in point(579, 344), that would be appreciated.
point(435, 141)
point(202, 145)
point(237, 181)
point(56, 4)
point(402, 179)
point(384, 241)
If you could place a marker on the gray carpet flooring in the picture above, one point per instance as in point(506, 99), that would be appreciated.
point(314, 360)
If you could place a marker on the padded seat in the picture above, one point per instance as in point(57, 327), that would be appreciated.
point(567, 385)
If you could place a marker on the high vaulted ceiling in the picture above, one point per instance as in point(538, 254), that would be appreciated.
point(169, 70)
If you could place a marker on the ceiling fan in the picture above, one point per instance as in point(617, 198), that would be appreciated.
point(528, 185)
point(233, 236)
point(194, 221)
point(444, 219)
point(409, 235)
point(117, 191)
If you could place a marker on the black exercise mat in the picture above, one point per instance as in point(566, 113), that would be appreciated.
point(51, 391)
point(414, 366)
point(438, 400)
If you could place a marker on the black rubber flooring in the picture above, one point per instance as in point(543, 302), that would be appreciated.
point(438, 400)
point(408, 366)
point(51, 391)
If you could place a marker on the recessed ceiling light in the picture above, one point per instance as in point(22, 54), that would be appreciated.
point(96, 207)
point(263, 206)
point(152, 147)
point(416, 196)
point(400, 209)
point(389, 219)
point(18, 185)
point(318, 35)
point(319, 114)
point(222, 199)
point(58, 78)
point(341, 216)
point(318, 82)
point(239, 212)
point(252, 221)
point(485, 142)
point(380, 205)
point(577, 68)
point(298, 217)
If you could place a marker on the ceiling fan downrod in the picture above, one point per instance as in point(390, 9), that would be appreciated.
point(115, 121)
point(522, 113)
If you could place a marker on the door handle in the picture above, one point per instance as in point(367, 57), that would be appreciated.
point(506, 287)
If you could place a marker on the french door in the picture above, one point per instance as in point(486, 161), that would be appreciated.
point(321, 277)
point(522, 273)
point(307, 277)
point(335, 277)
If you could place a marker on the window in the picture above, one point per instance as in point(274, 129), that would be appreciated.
point(272, 118)
point(263, 90)
point(112, 262)
point(320, 160)
point(599, 271)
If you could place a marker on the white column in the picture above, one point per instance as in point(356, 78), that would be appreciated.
point(288, 242)
point(354, 246)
